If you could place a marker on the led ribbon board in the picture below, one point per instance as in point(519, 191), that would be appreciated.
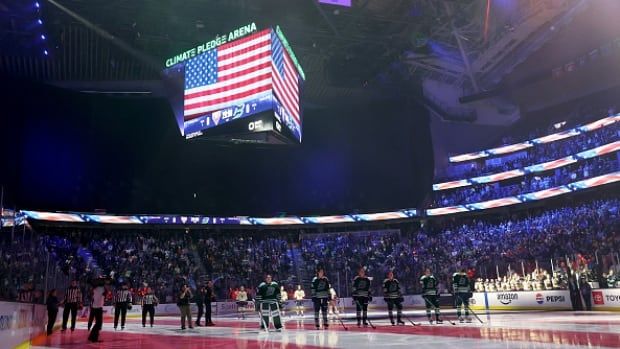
point(506, 149)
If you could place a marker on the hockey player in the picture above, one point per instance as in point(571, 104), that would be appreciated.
point(267, 298)
point(462, 293)
point(361, 296)
point(242, 301)
point(430, 293)
point(320, 297)
point(393, 297)
point(284, 298)
point(333, 304)
point(299, 300)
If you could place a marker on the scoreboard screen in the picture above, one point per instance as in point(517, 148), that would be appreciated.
point(241, 88)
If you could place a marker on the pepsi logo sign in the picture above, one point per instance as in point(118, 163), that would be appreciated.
point(539, 298)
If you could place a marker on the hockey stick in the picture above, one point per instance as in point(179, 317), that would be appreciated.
point(468, 308)
point(367, 319)
point(339, 319)
point(409, 319)
point(342, 323)
point(436, 308)
point(406, 317)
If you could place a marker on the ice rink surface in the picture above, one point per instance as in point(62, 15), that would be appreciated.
point(500, 330)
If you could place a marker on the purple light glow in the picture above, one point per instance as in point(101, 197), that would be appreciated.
point(346, 3)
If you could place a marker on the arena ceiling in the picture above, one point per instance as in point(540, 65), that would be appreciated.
point(120, 45)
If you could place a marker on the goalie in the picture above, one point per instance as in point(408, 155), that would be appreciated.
point(268, 303)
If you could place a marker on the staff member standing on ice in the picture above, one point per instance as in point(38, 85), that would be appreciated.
point(184, 299)
point(122, 302)
point(73, 300)
point(96, 308)
point(149, 302)
point(209, 297)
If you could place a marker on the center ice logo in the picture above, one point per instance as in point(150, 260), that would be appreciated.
point(539, 298)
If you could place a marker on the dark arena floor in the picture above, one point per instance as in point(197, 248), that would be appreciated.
point(501, 330)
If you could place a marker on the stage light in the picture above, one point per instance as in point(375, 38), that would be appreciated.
point(37, 5)
point(45, 52)
point(42, 37)
point(39, 21)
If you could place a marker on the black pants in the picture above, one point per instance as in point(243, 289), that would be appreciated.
point(395, 303)
point(91, 317)
point(432, 302)
point(461, 300)
point(69, 308)
point(94, 333)
point(208, 313)
point(320, 304)
point(51, 319)
point(361, 308)
point(201, 312)
point(587, 299)
point(120, 309)
point(150, 309)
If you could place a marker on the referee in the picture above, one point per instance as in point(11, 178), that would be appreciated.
point(122, 301)
point(149, 302)
point(73, 299)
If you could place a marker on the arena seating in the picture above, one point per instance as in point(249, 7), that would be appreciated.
point(528, 183)
point(533, 155)
point(587, 234)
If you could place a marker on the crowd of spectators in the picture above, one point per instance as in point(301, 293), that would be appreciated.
point(342, 254)
point(161, 261)
point(243, 260)
point(479, 246)
point(527, 184)
point(588, 232)
point(535, 155)
point(25, 261)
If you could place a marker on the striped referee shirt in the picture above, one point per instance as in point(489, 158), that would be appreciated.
point(122, 296)
point(149, 299)
point(73, 295)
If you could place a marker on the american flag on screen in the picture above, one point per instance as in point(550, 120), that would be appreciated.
point(236, 71)
point(285, 80)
